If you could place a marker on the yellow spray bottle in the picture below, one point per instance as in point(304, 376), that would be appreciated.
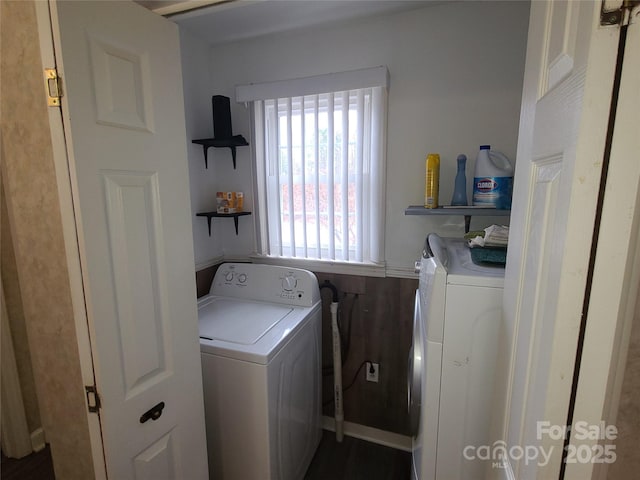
point(432, 180)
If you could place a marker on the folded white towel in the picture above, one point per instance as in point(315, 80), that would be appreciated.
point(494, 236)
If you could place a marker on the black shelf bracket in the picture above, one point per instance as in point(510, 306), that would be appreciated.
point(230, 143)
point(233, 157)
point(210, 215)
point(205, 149)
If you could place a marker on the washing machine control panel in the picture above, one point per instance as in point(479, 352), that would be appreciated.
point(271, 283)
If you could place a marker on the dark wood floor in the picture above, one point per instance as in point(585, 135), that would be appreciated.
point(355, 459)
point(37, 466)
point(352, 459)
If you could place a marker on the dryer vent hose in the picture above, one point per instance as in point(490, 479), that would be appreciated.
point(337, 373)
point(337, 363)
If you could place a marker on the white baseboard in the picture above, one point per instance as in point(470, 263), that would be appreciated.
point(370, 434)
point(38, 440)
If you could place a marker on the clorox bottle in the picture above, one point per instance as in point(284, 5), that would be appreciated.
point(493, 179)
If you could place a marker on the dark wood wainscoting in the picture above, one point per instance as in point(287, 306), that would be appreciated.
point(376, 323)
point(204, 279)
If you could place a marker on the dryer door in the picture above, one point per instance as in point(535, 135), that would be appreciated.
point(414, 380)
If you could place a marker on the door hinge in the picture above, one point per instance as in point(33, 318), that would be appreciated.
point(93, 399)
point(53, 87)
point(619, 16)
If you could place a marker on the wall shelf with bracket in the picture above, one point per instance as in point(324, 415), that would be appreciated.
point(466, 211)
point(230, 143)
point(210, 215)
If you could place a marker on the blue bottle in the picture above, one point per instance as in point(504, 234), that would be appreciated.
point(460, 186)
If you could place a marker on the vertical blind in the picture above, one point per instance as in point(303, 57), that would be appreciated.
point(320, 166)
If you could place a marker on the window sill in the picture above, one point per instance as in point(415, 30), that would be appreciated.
point(325, 266)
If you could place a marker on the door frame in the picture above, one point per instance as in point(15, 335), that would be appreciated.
point(48, 34)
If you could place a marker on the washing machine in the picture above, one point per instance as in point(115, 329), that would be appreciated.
point(260, 342)
point(452, 361)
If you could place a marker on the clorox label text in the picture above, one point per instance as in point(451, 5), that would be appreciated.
point(486, 185)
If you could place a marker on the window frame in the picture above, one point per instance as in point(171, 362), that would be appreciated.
point(376, 78)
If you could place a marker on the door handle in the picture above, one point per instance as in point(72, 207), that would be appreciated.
point(153, 413)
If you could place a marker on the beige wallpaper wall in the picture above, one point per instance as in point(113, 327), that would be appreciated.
point(35, 222)
point(17, 323)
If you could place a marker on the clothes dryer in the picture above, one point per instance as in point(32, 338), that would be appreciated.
point(452, 360)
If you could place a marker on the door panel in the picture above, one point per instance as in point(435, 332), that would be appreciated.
point(560, 52)
point(122, 81)
point(140, 281)
point(158, 461)
point(124, 124)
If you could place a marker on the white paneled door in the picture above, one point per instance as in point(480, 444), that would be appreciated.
point(569, 79)
point(123, 118)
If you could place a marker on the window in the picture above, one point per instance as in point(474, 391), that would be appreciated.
point(319, 152)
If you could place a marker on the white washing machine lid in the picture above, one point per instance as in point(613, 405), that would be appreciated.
point(238, 322)
point(247, 330)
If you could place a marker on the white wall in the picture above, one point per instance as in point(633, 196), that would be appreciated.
point(199, 124)
point(456, 74)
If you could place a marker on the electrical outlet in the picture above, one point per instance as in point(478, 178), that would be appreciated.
point(372, 371)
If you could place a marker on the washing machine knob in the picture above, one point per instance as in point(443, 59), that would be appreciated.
point(228, 276)
point(242, 277)
point(289, 282)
